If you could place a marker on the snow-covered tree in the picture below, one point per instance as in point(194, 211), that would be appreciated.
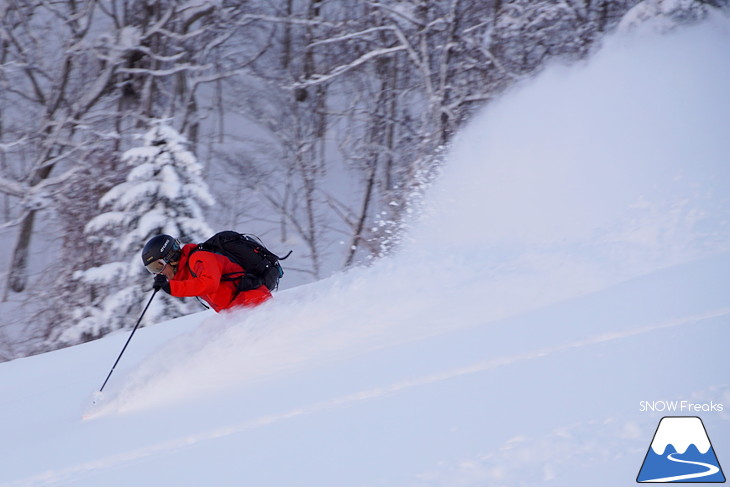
point(326, 117)
point(665, 15)
point(164, 192)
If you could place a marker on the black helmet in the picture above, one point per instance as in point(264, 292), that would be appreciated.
point(160, 251)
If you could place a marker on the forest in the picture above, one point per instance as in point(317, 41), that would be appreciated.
point(315, 124)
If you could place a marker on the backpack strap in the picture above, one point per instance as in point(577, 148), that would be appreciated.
point(192, 273)
point(246, 282)
point(187, 262)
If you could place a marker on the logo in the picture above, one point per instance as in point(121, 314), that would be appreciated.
point(681, 407)
point(680, 452)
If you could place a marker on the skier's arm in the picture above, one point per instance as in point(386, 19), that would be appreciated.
point(207, 280)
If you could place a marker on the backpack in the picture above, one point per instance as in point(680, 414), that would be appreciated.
point(261, 266)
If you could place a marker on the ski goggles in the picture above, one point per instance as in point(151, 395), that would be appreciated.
point(156, 266)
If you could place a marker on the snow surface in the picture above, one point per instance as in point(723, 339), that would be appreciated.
point(571, 262)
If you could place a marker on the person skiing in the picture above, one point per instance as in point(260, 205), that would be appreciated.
point(188, 271)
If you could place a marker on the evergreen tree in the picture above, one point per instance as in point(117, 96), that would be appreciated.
point(164, 192)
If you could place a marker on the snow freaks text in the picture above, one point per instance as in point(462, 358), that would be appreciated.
point(680, 407)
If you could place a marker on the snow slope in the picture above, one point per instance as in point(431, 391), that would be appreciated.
point(570, 263)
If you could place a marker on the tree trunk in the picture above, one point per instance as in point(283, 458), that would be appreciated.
point(18, 275)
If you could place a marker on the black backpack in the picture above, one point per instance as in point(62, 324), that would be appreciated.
point(261, 266)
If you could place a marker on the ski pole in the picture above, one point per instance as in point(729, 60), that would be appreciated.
point(128, 340)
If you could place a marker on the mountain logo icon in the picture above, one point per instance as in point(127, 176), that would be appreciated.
point(680, 452)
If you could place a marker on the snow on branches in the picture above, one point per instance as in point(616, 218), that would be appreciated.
point(164, 192)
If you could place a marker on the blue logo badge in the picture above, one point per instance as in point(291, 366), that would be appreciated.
point(680, 452)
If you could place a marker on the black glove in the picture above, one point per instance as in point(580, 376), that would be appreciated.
point(161, 283)
point(249, 282)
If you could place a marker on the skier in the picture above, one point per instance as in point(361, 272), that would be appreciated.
point(187, 271)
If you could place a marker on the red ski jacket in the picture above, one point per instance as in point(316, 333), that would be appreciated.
point(205, 281)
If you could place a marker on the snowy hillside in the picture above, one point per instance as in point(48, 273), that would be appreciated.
point(571, 264)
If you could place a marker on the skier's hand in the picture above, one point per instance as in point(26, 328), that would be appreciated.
point(161, 283)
